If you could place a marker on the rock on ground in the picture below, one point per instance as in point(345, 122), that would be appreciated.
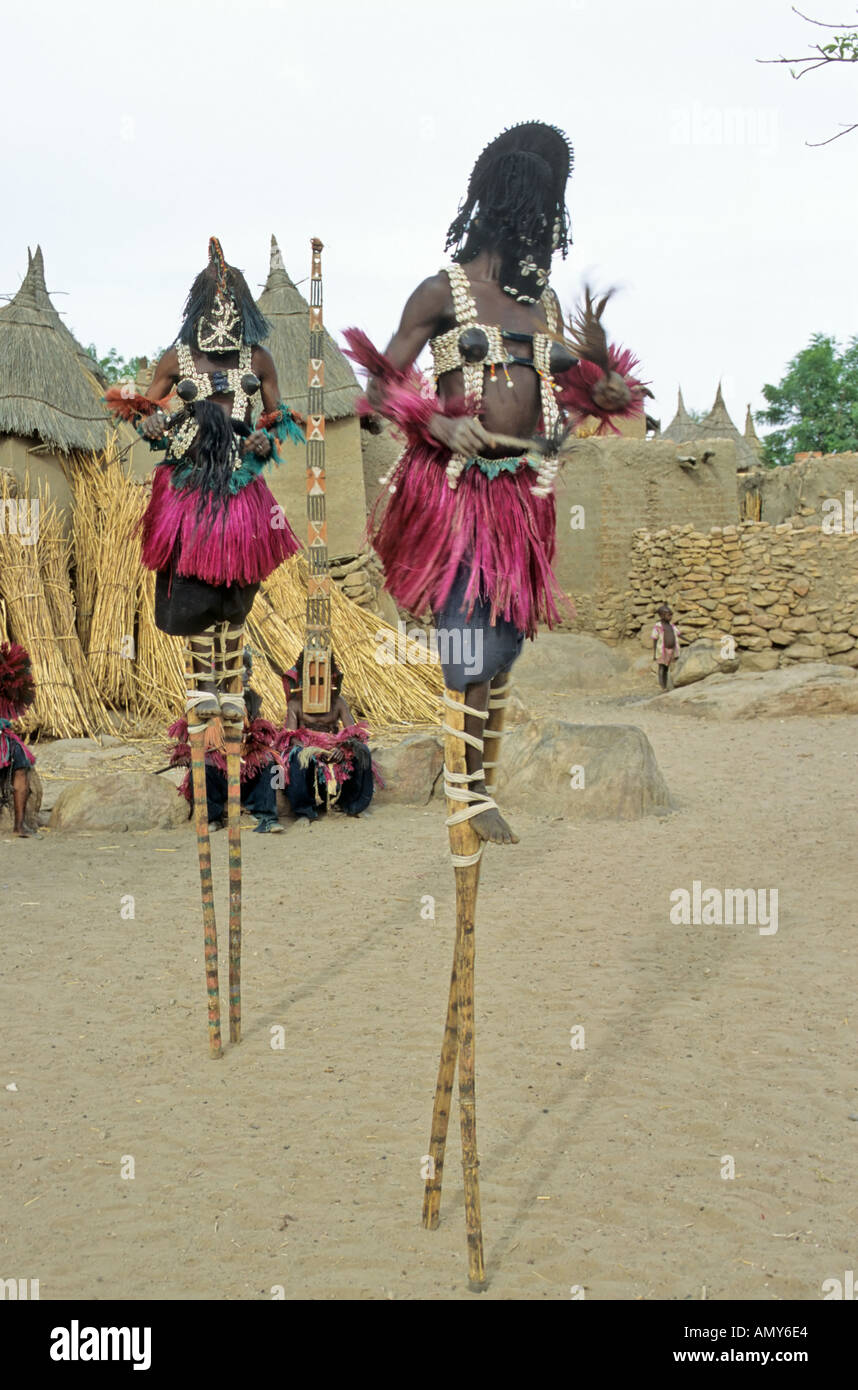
point(760, 661)
point(410, 769)
point(120, 801)
point(568, 661)
point(699, 660)
point(581, 772)
point(31, 810)
point(807, 688)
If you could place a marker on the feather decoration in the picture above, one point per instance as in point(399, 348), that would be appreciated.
point(409, 399)
point(319, 744)
point(17, 690)
point(498, 527)
point(127, 404)
point(577, 384)
point(238, 544)
point(258, 749)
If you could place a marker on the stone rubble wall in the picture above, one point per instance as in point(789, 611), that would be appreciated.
point(789, 590)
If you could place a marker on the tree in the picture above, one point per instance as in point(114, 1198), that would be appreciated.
point(118, 368)
point(843, 48)
point(815, 406)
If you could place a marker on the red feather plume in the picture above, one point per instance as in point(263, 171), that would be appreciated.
point(125, 402)
point(17, 691)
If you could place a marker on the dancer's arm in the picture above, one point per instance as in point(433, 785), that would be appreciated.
point(165, 378)
point(422, 318)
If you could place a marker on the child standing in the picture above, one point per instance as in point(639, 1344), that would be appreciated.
point(665, 643)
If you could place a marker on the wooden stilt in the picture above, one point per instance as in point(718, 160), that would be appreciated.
point(459, 1030)
point(196, 736)
point(458, 1043)
point(441, 1109)
point(232, 738)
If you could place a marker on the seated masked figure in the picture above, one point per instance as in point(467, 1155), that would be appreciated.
point(260, 767)
point(326, 758)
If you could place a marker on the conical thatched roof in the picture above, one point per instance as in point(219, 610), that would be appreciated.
point(288, 313)
point(751, 434)
point(36, 276)
point(45, 390)
point(717, 425)
point(718, 422)
point(681, 426)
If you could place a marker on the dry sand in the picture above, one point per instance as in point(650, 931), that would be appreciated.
point(300, 1168)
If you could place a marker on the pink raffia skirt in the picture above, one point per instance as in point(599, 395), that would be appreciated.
point(241, 544)
point(494, 526)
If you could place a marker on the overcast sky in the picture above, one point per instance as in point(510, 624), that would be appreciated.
point(130, 134)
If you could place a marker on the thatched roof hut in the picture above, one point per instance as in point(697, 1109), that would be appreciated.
point(680, 425)
point(36, 275)
point(46, 390)
point(751, 434)
point(716, 425)
point(287, 311)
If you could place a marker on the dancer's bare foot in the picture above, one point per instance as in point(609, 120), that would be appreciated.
point(25, 833)
point(490, 825)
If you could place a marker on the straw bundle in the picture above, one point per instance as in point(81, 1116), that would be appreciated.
point(111, 651)
point(397, 694)
point(84, 477)
point(53, 552)
point(57, 711)
point(160, 671)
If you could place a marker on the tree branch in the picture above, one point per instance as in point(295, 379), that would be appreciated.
point(815, 144)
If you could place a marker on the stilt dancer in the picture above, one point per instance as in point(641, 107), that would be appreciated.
point(468, 530)
point(213, 532)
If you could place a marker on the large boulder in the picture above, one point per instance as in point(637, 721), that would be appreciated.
point(699, 660)
point(410, 769)
point(581, 771)
point(81, 754)
point(120, 801)
point(31, 809)
point(568, 661)
point(807, 688)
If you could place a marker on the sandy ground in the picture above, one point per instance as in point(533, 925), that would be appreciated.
point(299, 1167)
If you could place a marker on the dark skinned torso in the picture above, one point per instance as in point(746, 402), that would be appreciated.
point(430, 312)
point(167, 374)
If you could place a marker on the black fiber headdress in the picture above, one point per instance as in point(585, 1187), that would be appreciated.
point(217, 289)
point(516, 203)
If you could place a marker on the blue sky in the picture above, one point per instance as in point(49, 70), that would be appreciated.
point(130, 137)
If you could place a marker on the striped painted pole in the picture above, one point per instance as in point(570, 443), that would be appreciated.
point(317, 636)
point(196, 736)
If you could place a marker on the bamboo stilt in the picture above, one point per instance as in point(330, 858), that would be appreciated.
point(196, 737)
point(459, 1027)
point(464, 842)
point(441, 1108)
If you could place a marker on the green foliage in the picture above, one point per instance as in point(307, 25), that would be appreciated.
point(842, 49)
point(118, 368)
point(815, 406)
point(698, 416)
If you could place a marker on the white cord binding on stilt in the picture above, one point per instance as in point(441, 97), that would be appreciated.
point(457, 784)
point(498, 699)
